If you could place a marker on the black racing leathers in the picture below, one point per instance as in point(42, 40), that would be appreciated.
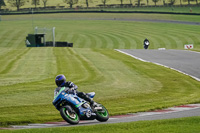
point(73, 89)
point(146, 44)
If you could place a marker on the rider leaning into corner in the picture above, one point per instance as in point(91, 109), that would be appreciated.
point(61, 82)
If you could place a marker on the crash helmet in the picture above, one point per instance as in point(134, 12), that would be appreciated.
point(60, 80)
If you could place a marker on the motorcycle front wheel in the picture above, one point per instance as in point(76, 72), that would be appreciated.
point(69, 115)
point(102, 115)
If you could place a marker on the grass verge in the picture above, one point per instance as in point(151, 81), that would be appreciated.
point(181, 125)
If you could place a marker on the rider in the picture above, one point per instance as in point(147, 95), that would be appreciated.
point(146, 43)
point(61, 82)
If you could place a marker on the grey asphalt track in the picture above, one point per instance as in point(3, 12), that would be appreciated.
point(174, 112)
point(180, 114)
point(157, 21)
point(184, 61)
point(140, 20)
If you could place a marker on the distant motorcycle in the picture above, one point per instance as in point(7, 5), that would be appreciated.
point(146, 44)
point(73, 108)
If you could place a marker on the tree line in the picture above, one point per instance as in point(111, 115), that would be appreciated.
point(19, 3)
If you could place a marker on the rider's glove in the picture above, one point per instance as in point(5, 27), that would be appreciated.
point(71, 84)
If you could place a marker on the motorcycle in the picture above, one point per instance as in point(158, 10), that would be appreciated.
point(73, 108)
point(146, 44)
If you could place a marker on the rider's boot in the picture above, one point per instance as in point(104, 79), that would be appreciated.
point(87, 98)
point(92, 103)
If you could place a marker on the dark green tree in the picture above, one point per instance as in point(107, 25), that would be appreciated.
point(17, 3)
point(180, 2)
point(138, 3)
point(172, 2)
point(44, 3)
point(121, 2)
point(87, 2)
point(197, 2)
point(2, 3)
point(163, 2)
point(35, 2)
point(188, 2)
point(104, 2)
point(71, 2)
point(147, 2)
point(155, 1)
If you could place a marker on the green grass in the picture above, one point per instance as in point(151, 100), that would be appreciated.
point(121, 83)
point(88, 16)
point(106, 34)
point(181, 125)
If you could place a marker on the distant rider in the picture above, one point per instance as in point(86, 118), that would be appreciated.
point(72, 88)
point(146, 43)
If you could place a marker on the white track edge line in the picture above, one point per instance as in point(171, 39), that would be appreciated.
point(157, 64)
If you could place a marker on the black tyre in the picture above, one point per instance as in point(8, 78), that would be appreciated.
point(69, 115)
point(102, 115)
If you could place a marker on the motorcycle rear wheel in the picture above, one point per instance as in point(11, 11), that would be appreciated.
point(69, 115)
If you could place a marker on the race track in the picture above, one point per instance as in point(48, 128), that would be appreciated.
point(169, 113)
point(184, 61)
